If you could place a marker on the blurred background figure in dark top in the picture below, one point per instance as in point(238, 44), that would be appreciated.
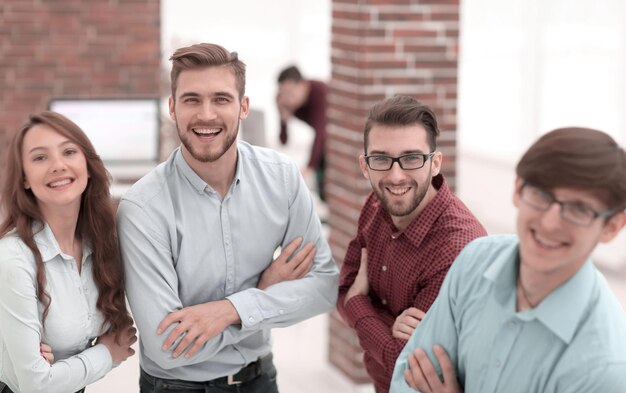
point(306, 100)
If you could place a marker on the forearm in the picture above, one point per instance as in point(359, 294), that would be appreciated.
point(287, 302)
point(349, 270)
point(374, 331)
point(152, 289)
point(21, 337)
point(150, 304)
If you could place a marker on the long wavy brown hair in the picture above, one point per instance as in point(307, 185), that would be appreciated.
point(96, 220)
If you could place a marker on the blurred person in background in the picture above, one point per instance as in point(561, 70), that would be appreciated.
point(306, 100)
point(198, 235)
point(410, 230)
point(63, 317)
point(529, 312)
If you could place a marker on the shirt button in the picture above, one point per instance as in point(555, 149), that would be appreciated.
point(385, 301)
point(394, 237)
point(281, 312)
point(230, 278)
point(384, 268)
point(251, 320)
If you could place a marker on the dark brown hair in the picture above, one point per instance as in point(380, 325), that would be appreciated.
point(207, 55)
point(579, 158)
point(402, 111)
point(96, 219)
point(291, 73)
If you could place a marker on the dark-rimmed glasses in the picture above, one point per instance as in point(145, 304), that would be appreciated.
point(575, 212)
point(378, 162)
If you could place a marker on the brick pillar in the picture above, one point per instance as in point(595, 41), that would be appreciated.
point(381, 48)
point(74, 49)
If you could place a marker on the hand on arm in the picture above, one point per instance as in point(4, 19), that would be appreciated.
point(198, 324)
point(406, 323)
point(422, 376)
point(120, 349)
point(360, 286)
point(283, 110)
point(46, 352)
point(286, 267)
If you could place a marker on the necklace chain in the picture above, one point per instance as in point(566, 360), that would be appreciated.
point(523, 291)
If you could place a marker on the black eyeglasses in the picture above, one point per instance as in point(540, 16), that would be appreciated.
point(575, 212)
point(408, 161)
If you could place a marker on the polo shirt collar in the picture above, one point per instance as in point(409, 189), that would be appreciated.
point(561, 311)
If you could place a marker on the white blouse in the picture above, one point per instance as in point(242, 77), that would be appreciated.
point(72, 321)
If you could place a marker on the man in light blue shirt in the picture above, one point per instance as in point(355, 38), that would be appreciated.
point(529, 312)
point(198, 235)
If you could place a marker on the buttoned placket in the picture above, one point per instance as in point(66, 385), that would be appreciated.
point(79, 281)
point(501, 349)
point(227, 241)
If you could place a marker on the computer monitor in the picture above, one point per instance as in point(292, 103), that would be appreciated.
point(125, 132)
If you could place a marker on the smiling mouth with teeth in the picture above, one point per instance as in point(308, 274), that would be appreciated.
point(398, 191)
point(206, 131)
point(542, 241)
point(60, 183)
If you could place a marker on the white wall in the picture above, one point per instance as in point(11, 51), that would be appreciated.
point(268, 36)
point(526, 67)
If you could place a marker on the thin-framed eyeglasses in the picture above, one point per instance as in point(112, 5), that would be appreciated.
point(574, 212)
point(378, 162)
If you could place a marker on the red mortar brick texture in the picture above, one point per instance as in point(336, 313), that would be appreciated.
point(74, 49)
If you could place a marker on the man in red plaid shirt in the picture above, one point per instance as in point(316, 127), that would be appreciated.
point(410, 231)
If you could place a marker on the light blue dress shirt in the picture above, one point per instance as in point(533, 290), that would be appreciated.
point(183, 245)
point(72, 321)
point(573, 341)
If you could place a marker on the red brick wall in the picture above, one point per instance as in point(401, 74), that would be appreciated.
point(74, 48)
point(381, 48)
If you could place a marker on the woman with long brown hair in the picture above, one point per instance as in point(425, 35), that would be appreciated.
point(63, 317)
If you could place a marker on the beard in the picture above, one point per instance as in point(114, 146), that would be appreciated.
point(403, 208)
point(207, 155)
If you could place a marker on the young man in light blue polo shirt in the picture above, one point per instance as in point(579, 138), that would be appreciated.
point(529, 312)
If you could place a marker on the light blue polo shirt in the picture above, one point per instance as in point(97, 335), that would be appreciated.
point(573, 341)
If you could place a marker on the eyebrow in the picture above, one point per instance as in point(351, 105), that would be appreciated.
point(216, 94)
point(45, 148)
point(403, 153)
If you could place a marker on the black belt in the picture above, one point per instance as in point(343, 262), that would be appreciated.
point(246, 374)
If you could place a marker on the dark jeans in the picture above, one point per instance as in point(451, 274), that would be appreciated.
point(264, 383)
point(5, 389)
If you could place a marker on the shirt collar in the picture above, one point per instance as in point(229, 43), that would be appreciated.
point(421, 225)
point(195, 180)
point(47, 244)
point(561, 311)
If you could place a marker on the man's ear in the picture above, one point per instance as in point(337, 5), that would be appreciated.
point(172, 107)
point(517, 191)
point(435, 168)
point(363, 166)
point(613, 227)
point(245, 108)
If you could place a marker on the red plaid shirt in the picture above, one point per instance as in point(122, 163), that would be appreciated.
point(405, 269)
